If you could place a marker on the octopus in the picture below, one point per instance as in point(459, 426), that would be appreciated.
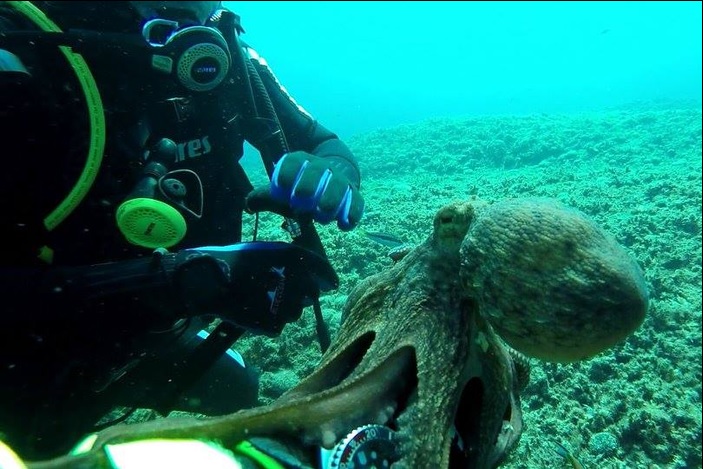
point(435, 346)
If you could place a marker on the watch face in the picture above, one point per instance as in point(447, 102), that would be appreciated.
point(369, 446)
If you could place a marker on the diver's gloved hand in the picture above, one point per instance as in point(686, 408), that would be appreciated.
point(305, 185)
point(259, 286)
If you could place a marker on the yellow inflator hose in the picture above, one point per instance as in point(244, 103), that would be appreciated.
point(96, 119)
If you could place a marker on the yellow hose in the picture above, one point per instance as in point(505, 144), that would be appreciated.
point(96, 118)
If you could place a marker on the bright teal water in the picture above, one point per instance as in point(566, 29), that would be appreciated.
point(359, 66)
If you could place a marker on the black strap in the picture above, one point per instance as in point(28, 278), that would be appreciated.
point(323, 332)
point(187, 372)
point(170, 376)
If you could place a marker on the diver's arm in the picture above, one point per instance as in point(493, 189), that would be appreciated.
point(258, 286)
point(32, 294)
point(302, 131)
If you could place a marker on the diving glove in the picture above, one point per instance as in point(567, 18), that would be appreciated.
point(306, 185)
point(259, 286)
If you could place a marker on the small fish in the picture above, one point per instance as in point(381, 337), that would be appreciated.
point(566, 454)
point(386, 239)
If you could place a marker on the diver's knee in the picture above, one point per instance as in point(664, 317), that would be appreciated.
point(227, 386)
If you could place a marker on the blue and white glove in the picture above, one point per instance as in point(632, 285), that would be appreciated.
point(305, 185)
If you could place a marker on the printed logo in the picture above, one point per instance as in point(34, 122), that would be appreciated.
point(193, 148)
point(276, 295)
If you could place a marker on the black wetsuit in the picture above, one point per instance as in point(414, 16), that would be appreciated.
point(56, 360)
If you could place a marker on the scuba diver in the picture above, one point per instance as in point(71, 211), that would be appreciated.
point(122, 127)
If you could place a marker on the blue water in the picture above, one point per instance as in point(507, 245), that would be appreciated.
point(360, 66)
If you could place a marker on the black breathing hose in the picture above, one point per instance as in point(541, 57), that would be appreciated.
point(262, 108)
